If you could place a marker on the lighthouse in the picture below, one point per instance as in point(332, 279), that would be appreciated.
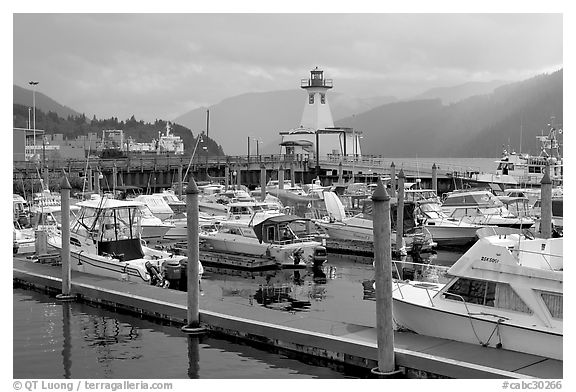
point(317, 137)
point(316, 114)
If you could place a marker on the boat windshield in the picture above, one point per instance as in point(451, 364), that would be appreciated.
point(432, 211)
point(484, 199)
point(111, 224)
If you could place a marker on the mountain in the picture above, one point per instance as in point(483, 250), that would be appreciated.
point(263, 115)
point(474, 127)
point(24, 97)
point(457, 93)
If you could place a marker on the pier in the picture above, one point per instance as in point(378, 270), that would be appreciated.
point(154, 172)
point(342, 342)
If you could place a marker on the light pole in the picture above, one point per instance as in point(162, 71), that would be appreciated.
point(33, 84)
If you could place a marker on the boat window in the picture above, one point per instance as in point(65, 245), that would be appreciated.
point(472, 291)
point(554, 303)
point(270, 234)
point(506, 298)
point(454, 201)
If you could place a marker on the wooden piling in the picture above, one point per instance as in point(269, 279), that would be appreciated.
point(400, 212)
point(434, 178)
point(97, 182)
point(193, 283)
point(114, 178)
point(180, 182)
point(227, 176)
point(383, 282)
point(65, 251)
point(392, 180)
point(262, 182)
point(90, 180)
point(281, 177)
point(546, 205)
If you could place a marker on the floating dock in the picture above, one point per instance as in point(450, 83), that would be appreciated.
point(341, 343)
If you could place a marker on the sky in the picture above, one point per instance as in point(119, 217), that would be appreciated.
point(162, 65)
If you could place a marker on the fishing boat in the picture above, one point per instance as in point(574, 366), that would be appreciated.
point(105, 239)
point(506, 291)
point(524, 170)
point(358, 231)
point(287, 240)
point(481, 207)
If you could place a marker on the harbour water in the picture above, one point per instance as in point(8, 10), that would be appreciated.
point(75, 340)
point(54, 340)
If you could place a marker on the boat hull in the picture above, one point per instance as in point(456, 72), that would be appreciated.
point(154, 233)
point(452, 235)
point(282, 254)
point(430, 321)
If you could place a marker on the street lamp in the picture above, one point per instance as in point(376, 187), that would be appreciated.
point(33, 84)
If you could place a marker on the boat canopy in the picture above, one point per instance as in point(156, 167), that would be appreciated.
point(260, 228)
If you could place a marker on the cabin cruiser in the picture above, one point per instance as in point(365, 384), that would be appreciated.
point(105, 239)
point(287, 239)
point(176, 205)
point(153, 228)
point(506, 291)
point(360, 229)
point(157, 205)
point(217, 203)
point(481, 207)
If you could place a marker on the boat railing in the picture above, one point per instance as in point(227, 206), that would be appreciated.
point(421, 285)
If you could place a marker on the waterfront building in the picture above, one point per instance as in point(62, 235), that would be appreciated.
point(317, 133)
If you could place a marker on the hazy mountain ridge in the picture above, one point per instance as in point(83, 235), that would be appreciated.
point(474, 127)
point(454, 94)
point(23, 96)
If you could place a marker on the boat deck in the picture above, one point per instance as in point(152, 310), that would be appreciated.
point(341, 341)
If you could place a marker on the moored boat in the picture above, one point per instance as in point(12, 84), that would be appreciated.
point(506, 291)
point(105, 239)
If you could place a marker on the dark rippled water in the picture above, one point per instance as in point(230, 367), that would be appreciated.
point(71, 340)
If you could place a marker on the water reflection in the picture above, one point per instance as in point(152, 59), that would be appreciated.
point(289, 290)
point(193, 356)
point(66, 340)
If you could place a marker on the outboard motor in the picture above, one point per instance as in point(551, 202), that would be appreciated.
point(172, 272)
point(320, 256)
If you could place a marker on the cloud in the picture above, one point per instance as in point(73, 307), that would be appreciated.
point(155, 65)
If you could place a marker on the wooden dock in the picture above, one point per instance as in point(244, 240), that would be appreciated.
point(341, 342)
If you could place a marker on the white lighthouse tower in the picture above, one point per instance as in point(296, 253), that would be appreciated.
point(317, 137)
point(316, 114)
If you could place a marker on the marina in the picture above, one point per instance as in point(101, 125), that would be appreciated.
point(257, 238)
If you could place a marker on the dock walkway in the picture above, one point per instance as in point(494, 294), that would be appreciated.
point(341, 341)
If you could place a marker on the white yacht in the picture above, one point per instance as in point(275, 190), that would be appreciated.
point(481, 207)
point(287, 240)
point(445, 231)
point(158, 206)
point(506, 291)
point(105, 239)
point(359, 228)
